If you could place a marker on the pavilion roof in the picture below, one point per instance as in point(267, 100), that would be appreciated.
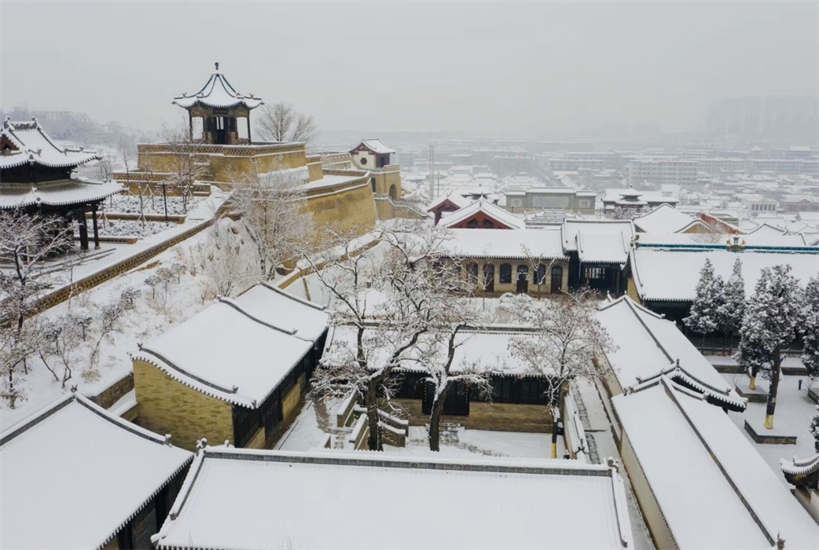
point(28, 142)
point(55, 193)
point(74, 474)
point(217, 93)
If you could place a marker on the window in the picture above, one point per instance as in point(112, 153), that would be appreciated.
point(363, 161)
point(505, 274)
point(541, 274)
point(595, 272)
point(523, 272)
point(472, 273)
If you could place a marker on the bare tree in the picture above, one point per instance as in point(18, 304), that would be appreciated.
point(182, 161)
point(281, 122)
point(26, 242)
point(442, 373)
point(273, 215)
point(223, 260)
point(535, 260)
point(385, 305)
point(564, 340)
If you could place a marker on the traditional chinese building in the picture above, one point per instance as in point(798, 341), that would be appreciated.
point(218, 149)
point(36, 176)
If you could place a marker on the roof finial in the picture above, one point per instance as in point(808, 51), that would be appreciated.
point(217, 65)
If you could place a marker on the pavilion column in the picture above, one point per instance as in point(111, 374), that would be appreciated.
point(83, 231)
point(249, 140)
point(190, 126)
point(96, 230)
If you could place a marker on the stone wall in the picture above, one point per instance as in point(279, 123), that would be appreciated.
point(167, 406)
point(291, 401)
point(501, 417)
point(351, 206)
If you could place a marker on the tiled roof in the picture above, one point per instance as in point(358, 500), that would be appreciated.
point(73, 475)
point(315, 500)
point(218, 93)
point(55, 193)
point(31, 144)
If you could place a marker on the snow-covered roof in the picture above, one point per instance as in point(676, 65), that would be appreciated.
point(29, 143)
point(55, 193)
point(601, 247)
point(718, 240)
point(648, 346)
point(217, 93)
point(227, 353)
point(667, 274)
point(283, 310)
point(485, 350)
point(658, 197)
point(455, 198)
point(542, 243)
point(321, 499)
point(571, 228)
point(487, 209)
point(72, 475)
point(374, 145)
point(713, 487)
point(767, 229)
point(663, 219)
point(800, 467)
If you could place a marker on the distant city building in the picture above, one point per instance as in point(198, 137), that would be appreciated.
point(752, 118)
point(534, 198)
point(662, 170)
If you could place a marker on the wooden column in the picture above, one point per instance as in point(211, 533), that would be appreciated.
point(96, 230)
point(83, 230)
point(248, 129)
point(190, 126)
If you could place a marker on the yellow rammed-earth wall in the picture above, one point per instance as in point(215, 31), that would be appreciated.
point(169, 407)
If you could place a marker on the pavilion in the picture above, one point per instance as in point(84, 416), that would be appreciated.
point(35, 176)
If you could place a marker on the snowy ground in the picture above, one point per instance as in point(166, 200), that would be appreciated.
point(90, 262)
point(305, 434)
point(597, 425)
point(794, 411)
point(129, 204)
point(149, 318)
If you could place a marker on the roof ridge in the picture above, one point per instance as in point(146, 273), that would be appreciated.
point(757, 518)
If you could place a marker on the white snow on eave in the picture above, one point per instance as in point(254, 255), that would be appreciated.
point(277, 308)
point(648, 345)
point(488, 209)
point(376, 146)
point(471, 243)
point(59, 475)
point(672, 275)
point(578, 511)
point(226, 348)
point(766, 495)
point(697, 501)
point(663, 219)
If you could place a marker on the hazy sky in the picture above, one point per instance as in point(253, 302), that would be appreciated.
point(499, 68)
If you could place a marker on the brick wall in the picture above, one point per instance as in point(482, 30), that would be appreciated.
point(501, 417)
point(167, 406)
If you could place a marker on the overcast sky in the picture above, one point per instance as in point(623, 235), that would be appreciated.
point(500, 68)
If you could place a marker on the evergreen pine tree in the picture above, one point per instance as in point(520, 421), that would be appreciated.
point(814, 431)
point(732, 309)
point(769, 326)
point(704, 316)
point(810, 328)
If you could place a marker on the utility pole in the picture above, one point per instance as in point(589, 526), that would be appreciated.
point(431, 172)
